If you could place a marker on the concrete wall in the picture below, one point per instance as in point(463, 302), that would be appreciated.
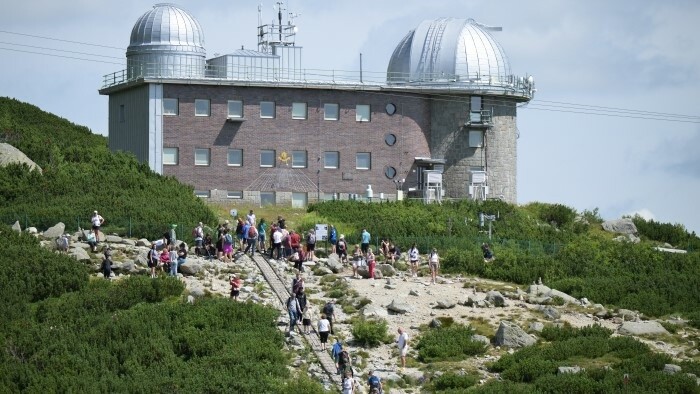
point(131, 134)
point(501, 150)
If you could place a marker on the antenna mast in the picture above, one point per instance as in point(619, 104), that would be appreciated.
point(277, 33)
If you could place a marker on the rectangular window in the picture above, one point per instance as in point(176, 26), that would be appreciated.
point(267, 109)
point(362, 113)
point(235, 109)
point(476, 138)
point(267, 158)
point(298, 110)
point(202, 193)
point(299, 200)
point(299, 159)
point(329, 196)
point(267, 198)
point(122, 114)
point(170, 156)
point(235, 195)
point(201, 107)
point(330, 111)
point(235, 157)
point(475, 109)
point(331, 159)
point(363, 161)
point(201, 157)
point(171, 107)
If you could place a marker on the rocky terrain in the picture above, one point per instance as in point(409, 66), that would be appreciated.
point(503, 315)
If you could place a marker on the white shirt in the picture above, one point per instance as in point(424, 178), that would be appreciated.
point(402, 341)
point(324, 325)
point(251, 218)
point(277, 237)
point(348, 385)
point(413, 254)
point(97, 220)
point(434, 258)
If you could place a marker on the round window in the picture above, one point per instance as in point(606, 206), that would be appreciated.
point(390, 109)
point(390, 139)
point(390, 172)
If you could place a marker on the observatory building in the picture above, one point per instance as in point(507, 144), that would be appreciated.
point(257, 126)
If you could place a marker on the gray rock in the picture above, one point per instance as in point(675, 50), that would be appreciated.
point(393, 377)
point(550, 312)
point(567, 298)
point(143, 242)
point(113, 239)
point(190, 299)
point(79, 254)
point(445, 304)
point(641, 328)
point(373, 311)
point(481, 338)
point(9, 154)
point(334, 264)
point(191, 268)
point(435, 323)
point(363, 271)
point(628, 315)
point(197, 292)
point(623, 226)
point(512, 336)
point(130, 242)
point(496, 298)
point(17, 227)
point(141, 259)
point(128, 266)
point(672, 369)
point(536, 326)
point(414, 293)
point(575, 369)
point(323, 271)
point(386, 269)
point(55, 231)
point(32, 230)
point(631, 238)
point(390, 287)
point(538, 290)
point(400, 307)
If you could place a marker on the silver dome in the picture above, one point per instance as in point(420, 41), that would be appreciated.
point(166, 42)
point(448, 49)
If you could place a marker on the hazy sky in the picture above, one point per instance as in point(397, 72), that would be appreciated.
point(632, 59)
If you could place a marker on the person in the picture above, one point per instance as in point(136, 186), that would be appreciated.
point(286, 244)
point(152, 259)
point(324, 327)
point(345, 363)
point(335, 353)
point(281, 222)
point(306, 319)
point(413, 259)
point(384, 248)
point(488, 254)
point(333, 238)
point(371, 263)
point(298, 284)
point(348, 384)
point(329, 311)
point(228, 246)
point(62, 243)
point(434, 263)
point(97, 222)
point(198, 236)
point(342, 249)
point(172, 240)
point(262, 230)
point(240, 224)
point(276, 244)
point(366, 238)
point(294, 240)
point(299, 258)
point(402, 344)
point(303, 303)
point(107, 264)
point(251, 218)
point(356, 260)
point(252, 240)
point(310, 245)
point(293, 310)
point(92, 240)
point(172, 266)
point(209, 248)
point(220, 241)
point(181, 259)
point(243, 238)
point(374, 383)
point(235, 283)
point(164, 262)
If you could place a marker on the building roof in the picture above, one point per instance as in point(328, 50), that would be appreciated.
point(166, 27)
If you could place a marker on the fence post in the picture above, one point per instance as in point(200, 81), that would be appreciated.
point(26, 220)
point(77, 221)
point(129, 226)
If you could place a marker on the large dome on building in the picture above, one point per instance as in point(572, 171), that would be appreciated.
point(166, 42)
point(449, 49)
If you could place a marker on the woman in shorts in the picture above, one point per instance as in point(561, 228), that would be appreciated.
point(356, 259)
point(306, 320)
point(434, 263)
point(152, 258)
point(371, 262)
point(235, 282)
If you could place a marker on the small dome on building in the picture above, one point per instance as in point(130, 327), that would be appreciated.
point(448, 49)
point(166, 42)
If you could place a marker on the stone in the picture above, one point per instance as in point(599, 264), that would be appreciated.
point(386, 269)
point(511, 335)
point(536, 326)
point(628, 315)
point(143, 242)
point(641, 328)
point(113, 239)
point(575, 369)
point(400, 307)
point(390, 287)
point(17, 227)
point(671, 369)
point(414, 293)
point(191, 268)
point(130, 242)
point(79, 254)
point(567, 298)
point(538, 290)
point(550, 312)
point(32, 230)
point(481, 338)
point(435, 323)
point(373, 311)
point(445, 304)
point(320, 271)
point(197, 292)
point(334, 264)
point(363, 271)
point(9, 154)
point(55, 231)
point(496, 298)
point(622, 226)
point(190, 299)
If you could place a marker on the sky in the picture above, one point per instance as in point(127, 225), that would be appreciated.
point(614, 125)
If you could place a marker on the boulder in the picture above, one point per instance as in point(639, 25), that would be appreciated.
point(496, 298)
point(536, 326)
point(363, 271)
point(445, 304)
point(127, 266)
point(414, 293)
point(334, 264)
point(373, 311)
point(191, 268)
point(641, 328)
point(79, 254)
point(435, 323)
point(9, 154)
point(400, 307)
point(511, 335)
point(575, 369)
point(671, 369)
point(130, 242)
point(627, 314)
point(54, 232)
point(622, 226)
point(550, 312)
point(386, 269)
point(113, 239)
point(17, 227)
point(320, 271)
point(197, 292)
point(481, 338)
point(631, 238)
point(141, 259)
point(538, 290)
point(143, 242)
point(567, 298)
point(32, 230)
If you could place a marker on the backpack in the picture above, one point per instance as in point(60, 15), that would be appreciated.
point(252, 232)
point(328, 310)
point(344, 358)
point(311, 239)
point(341, 246)
point(374, 382)
point(337, 349)
point(228, 239)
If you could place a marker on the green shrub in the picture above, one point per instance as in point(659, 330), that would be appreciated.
point(453, 342)
point(451, 380)
point(370, 332)
point(556, 333)
point(529, 370)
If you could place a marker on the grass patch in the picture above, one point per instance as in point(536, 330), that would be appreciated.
point(448, 343)
point(370, 332)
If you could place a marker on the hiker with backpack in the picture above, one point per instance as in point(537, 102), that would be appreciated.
point(228, 246)
point(107, 264)
point(252, 240)
point(198, 237)
point(262, 230)
point(333, 238)
point(299, 257)
point(335, 353)
point(152, 259)
point(329, 311)
point(310, 245)
point(375, 383)
point(342, 249)
point(294, 311)
point(488, 254)
point(240, 233)
point(345, 363)
point(413, 259)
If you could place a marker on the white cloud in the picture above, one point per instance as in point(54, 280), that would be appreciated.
point(644, 213)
